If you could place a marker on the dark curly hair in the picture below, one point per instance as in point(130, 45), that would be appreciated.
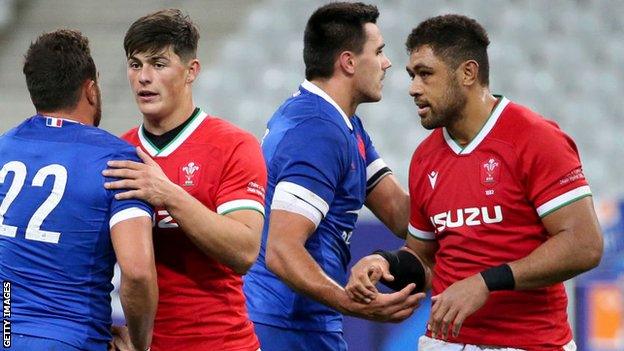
point(455, 39)
point(55, 66)
point(158, 30)
point(333, 28)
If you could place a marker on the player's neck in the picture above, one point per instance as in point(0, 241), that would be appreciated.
point(340, 91)
point(77, 114)
point(161, 124)
point(474, 115)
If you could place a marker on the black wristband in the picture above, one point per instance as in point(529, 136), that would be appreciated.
point(405, 268)
point(499, 278)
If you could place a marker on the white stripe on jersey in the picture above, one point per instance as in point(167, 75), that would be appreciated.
point(304, 194)
point(374, 167)
point(419, 234)
point(243, 204)
point(128, 213)
point(563, 200)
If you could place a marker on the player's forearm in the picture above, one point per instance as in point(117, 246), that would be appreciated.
point(139, 298)
point(224, 239)
point(562, 257)
point(294, 265)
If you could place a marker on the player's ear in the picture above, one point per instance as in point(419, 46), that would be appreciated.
point(469, 72)
point(90, 89)
point(194, 68)
point(346, 62)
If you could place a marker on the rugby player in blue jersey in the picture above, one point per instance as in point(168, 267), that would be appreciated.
point(60, 230)
point(322, 169)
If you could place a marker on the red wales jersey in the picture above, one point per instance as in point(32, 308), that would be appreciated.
point(483, 204)
point(201, 306)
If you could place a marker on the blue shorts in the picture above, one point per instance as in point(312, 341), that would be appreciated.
point(279, 339)
point(21, 342)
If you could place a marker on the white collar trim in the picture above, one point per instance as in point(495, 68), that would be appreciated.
point(311, 87)
point(485, 130)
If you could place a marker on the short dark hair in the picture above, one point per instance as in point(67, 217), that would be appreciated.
point(55, 66)
point(158, 30)
point(333, 28)
point(455, 39)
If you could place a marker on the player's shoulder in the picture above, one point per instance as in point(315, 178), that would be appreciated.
point(524, 126)
point(131, 135)
point(216, 130)
point(103, 139)
point(432, 143)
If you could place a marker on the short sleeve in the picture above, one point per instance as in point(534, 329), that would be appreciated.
point(121, 210)
point(419, 225)
point(552, 170)
point(243, 181)
point(310, 161)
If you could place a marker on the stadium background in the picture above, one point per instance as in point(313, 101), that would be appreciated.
point(564, 59)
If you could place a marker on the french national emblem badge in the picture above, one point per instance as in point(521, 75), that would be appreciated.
point(490, 172)
point(189, 174)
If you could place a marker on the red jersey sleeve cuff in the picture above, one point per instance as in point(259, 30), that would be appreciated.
point(236, 205)
point(562, 200)
point(419, 234)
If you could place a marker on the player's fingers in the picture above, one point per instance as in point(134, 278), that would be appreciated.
point(457, 324)
point(415, 300)
point(124, 164)
point(121, 184)
point(435, 319)
point(387, 276)
point(447, 320)
point(401, 315)
point(132, 194)
point(354, 294)
point(144, 156)
point(364, 292)
point(125, 173)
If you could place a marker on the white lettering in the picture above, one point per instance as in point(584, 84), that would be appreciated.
point(167, 221)
point(473, 213)
point(471, 216)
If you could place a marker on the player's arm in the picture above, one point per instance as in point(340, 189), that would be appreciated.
point(232, 239)
point(413, 263)
point(575, 246)
point(287, 257)
point(390, 203)
point(132, 242)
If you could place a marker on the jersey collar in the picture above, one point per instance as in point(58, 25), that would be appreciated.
point(309, 86)
point(485, 130)
point(154, 151)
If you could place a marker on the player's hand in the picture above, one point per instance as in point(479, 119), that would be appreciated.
point(146, 181)
point(364, 276)
point(394, 307)
point(121, 339)
point(455, 304)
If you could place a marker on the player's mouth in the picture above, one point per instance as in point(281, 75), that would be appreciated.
point(146, 95)
point(423, 108)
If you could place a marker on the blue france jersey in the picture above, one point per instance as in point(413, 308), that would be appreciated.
point(55, 245)
point(322, 156)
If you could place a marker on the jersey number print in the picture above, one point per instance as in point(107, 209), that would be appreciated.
point(33, 230)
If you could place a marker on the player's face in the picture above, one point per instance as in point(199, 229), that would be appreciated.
point(435, 89)
point(159, 82)
point(371, 67)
